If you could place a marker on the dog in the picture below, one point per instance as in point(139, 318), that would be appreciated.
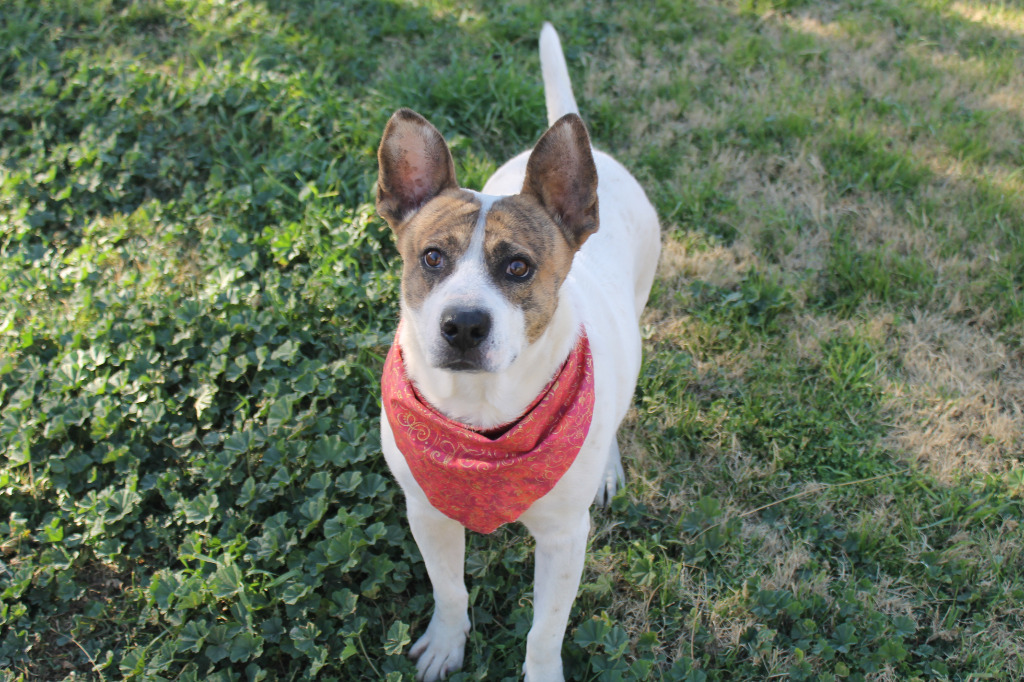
point(516, 355)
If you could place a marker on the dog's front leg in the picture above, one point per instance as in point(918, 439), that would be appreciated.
point(561, 550)
point(442, 543)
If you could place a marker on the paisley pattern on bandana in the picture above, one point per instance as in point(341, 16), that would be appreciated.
point(485, 478)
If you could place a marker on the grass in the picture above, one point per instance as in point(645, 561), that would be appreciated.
point(825, 455)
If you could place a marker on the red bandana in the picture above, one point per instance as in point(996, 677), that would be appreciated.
point(483, 479)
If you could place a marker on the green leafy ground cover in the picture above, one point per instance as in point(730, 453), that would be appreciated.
point(825, 456)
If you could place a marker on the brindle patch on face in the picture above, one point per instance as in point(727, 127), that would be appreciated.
point(519, 228)
point(445, 223)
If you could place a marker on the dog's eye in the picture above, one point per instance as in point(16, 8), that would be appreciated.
point(433, 259)
point(518, 268)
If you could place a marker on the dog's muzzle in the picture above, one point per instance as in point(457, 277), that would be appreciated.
point(464, 330)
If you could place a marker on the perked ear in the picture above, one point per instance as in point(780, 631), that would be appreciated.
point(561, 176)
point(415, 166)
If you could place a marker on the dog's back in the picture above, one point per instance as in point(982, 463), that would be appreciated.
point(614, 270)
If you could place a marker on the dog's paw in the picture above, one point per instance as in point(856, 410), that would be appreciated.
point(612, 479)
point(549, 671)
point(440, 650)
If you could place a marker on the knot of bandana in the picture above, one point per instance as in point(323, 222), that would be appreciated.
point(485, 478)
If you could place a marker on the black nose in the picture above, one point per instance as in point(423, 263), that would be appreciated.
point(465, 329)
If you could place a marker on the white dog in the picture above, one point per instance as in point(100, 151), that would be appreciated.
point(516, 355)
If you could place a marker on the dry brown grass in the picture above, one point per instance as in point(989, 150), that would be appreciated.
point(958, 395)
point(1002, 17)
point(959, 399)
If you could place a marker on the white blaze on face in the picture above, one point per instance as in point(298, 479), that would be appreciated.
point(470, 286)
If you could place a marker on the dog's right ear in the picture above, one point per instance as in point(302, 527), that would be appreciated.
point(415, 166)
point(562, 177)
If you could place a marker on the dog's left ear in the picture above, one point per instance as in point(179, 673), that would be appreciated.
point(562, 177)
point(415, 166)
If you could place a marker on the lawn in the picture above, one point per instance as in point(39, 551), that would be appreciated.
point(826, 451)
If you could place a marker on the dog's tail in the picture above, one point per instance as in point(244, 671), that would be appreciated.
point(557, 86)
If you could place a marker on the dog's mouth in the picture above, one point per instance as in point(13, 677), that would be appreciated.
point(456, 360)
point(473, 362)
point(462, 365)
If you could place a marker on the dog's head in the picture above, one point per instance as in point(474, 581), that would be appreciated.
point(481, 274)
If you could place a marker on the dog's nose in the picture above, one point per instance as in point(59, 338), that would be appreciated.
point(465, 329)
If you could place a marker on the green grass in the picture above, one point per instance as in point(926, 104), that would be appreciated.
point(826, 455)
